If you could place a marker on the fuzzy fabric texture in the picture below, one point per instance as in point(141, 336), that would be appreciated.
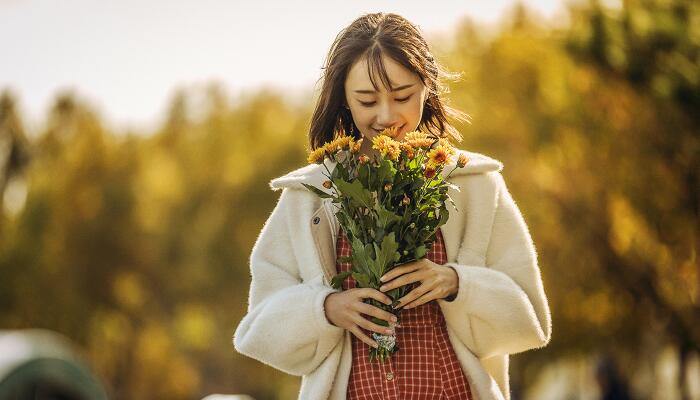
point(500, 308)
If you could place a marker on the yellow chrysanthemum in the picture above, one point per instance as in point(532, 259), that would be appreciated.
point(317, 156)
point(391, 132)
point(415, 135)
point(449, 148)
point(339, 143)
point(388, 147)
point(438, 155)
point(408, 150)
point(418, 140)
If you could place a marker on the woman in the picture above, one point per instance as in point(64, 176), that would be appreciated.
point(477, 297)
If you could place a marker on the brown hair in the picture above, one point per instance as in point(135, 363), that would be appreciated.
point(372, 35)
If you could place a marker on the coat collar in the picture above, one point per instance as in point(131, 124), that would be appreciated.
point(313, 174)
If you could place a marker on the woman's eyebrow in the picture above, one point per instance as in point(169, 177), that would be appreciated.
point(393, 90)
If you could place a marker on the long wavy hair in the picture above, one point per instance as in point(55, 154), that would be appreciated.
point(371, 36)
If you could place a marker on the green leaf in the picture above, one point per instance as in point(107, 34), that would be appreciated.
point(362, 279)
point(384, 173)
point(419, 252)
point(444, 215)
point(337, 281)
point(387, 253)
point(320, 193)
point(385, 217)
point(355, 191)
point(363, 175)
point(345, 259)
point(361, 259)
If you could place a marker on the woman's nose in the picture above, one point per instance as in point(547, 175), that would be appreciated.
point(387, 116)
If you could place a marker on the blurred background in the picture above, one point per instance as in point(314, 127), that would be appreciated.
point(137, 141)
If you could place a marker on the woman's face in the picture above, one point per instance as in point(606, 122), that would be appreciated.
point(373, 111)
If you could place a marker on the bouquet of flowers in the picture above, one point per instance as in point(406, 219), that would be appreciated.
point(389, 207)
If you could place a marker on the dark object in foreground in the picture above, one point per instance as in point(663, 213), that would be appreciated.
point(41, 365)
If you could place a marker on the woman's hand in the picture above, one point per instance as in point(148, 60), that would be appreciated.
point(437, 282)
point(344, 309)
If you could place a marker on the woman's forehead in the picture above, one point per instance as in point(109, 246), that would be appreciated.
point(358, 79)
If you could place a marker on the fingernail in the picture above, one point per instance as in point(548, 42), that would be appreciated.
point(389, 331)
point(382, 288)
point(375, 345)
point(394, 319)
point(382, 279)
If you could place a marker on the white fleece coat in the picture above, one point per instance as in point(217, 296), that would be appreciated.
point(500, 307)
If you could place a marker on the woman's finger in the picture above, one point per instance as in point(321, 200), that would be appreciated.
point(374, 294)
point(371, 326)
point(358, 332)
point(376, 312)
point(402, 280)
point(414, 294)
point(401, 270)
point(424, 298)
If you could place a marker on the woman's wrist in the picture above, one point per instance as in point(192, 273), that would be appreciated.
point(325, 308)
point(455, 287)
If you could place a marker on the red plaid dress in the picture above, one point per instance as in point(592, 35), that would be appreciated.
point(425, 367)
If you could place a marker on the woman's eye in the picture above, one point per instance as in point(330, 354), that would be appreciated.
point(371, 103)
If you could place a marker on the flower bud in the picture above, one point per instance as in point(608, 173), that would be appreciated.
point(406, 200)
point(387, 187)
point(327, 184)
point(462, 160)
point(363, 159)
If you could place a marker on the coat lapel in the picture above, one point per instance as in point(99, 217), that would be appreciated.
point(323, 240)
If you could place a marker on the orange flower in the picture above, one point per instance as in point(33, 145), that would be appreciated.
point(391, 132)
point(387, 146)
point(418, 140)
point(363, 159)
point(341, 142)
point(355, 147)
point(437, 155)
point(445, 143)
point(408, 150)
point(317, 156)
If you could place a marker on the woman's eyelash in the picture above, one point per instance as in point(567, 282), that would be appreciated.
point(372, 102)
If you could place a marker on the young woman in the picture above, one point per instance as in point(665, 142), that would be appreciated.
point(476, 298)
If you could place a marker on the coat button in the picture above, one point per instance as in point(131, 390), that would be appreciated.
point(389, 376)
point(317, 220)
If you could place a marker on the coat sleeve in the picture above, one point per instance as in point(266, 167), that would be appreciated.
point(501, 307)
point(285, 325)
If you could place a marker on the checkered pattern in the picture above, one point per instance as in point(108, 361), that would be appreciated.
point(425, 367)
